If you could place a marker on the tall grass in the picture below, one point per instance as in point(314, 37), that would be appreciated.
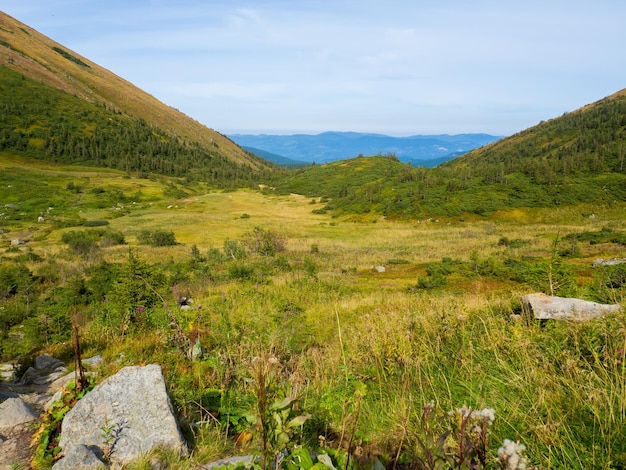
point(365, 350)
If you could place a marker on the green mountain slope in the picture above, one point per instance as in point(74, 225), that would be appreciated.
point(59, 106)
point(576, 158)
point(588, 141)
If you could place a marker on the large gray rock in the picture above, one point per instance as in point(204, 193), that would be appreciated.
point(125, 416)
point(548, 307)
point(13, 412)
point(83, 457)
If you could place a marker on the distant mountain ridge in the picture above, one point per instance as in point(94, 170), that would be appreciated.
point(577, 158)
point(420, 150)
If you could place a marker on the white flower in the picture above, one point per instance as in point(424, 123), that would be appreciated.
point(511, 455)
point(488, 415)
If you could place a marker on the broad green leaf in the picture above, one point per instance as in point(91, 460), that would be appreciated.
point(326, 460)
point(284, 403)
point(282, 438)
point(298, 421)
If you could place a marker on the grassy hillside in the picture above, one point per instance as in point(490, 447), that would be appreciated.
point(577, 158)
point(362, 351)
point(587, 142)
point(59, 106)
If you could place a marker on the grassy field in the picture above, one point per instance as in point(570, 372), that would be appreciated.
point(364, 352)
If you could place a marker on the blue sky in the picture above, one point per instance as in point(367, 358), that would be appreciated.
point(398, 67)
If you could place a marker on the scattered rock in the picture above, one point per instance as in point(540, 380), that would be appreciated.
point(7, 372)
point(380, 269)
point(17, 241)
point(244, 459)
point(608, 262)
point(135, 406)
point(14, 448)
point(45, 362)
point(93, 361)
point(47, 369)
point(13, 412)
point(547, 307)
point(47, 376)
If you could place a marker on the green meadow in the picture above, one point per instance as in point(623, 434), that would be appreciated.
point(370, 340)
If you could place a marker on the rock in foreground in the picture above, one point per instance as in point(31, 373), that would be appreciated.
point(124, 417)
point(548, 307)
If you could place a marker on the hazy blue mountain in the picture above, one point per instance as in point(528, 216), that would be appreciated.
point(278, 159)
point(332, 146)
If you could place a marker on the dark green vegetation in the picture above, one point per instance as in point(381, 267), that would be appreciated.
point(70, 57)
point(58, 106)
point(49, 124)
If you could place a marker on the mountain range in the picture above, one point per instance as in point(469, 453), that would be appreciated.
point(418, 150)
point(61, 107)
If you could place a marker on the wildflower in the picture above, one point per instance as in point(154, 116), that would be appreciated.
point(511, 455)
point(463, 412)
point(488, 415)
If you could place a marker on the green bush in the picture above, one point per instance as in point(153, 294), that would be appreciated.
point(95, 223)
point(156, 238)
point(265, 242)
point(112, 238)
point(163, 238)
point(81, 242)
point(234, 249)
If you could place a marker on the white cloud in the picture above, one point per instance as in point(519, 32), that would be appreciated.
point(368, 65)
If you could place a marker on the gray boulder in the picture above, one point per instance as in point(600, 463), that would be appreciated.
point(14, 412)
point(83, 457)
point(548, 307)
point(47, 369)
point(126, 416)
point(246, 460)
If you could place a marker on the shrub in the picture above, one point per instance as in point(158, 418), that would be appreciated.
point(233, 249)
point(265, 242)
point(95, 223)
point(163, 238)
point(81, 242)
point(240, 272)
point(156, 238)
point(112, 238)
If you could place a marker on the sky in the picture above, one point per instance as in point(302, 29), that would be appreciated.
point(396, 67)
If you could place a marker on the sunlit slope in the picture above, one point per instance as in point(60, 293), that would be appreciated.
point(579, 157)
point(53, 66)
point(585, 142)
